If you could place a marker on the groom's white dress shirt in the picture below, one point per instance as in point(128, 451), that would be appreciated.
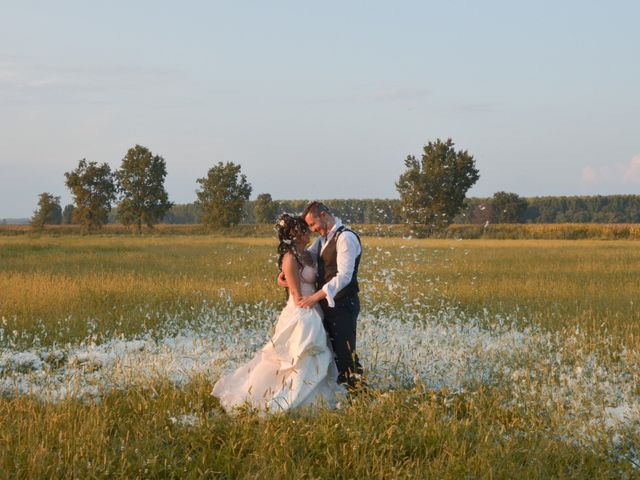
point(348, 248)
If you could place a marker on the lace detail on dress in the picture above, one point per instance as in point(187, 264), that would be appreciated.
point(307, 280)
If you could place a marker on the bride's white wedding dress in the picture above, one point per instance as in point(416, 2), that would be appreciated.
point(294, 369)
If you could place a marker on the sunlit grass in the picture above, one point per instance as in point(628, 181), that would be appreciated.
point(530, 417)
point(108, 279)
point(166, 432)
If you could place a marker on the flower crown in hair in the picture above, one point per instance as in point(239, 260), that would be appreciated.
point(289, 227)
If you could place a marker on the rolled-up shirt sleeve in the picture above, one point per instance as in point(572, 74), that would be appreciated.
point(348, 248)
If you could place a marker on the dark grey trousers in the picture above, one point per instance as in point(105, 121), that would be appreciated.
point(340, 324)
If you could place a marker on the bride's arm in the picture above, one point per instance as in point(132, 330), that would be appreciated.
point(292, 274)
point(282, 281)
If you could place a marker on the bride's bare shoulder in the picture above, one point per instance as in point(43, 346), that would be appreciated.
point(288, 257)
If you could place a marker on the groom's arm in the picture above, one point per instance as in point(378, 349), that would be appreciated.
point(348, 249)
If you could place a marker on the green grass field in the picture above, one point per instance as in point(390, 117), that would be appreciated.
point(489, 359)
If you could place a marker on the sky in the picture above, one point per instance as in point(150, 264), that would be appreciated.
point(320, 100)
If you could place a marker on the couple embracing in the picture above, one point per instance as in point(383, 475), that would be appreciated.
point(310, 358)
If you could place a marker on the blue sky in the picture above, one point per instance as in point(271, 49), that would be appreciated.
point(321, 100)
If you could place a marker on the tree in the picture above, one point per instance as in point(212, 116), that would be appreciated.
point(140, 183)
point(265, 209)
point(67, 214)
point(93, 191)
point(48, 212)
point(432, 189)
point(482, 213)
point(509, 207)
point(223, 194)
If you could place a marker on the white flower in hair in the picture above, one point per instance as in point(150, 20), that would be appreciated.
point(287, 241)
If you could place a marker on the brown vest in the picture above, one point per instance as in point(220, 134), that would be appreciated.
point(328, 265)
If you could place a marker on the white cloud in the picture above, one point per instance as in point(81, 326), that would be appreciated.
point(632, 172)
point(33, 82)
point(613, 174)
point(589, 175)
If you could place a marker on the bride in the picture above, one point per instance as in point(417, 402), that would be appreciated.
point(296, 366)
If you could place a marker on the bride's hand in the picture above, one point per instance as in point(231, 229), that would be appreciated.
point(282, 282)
point(311, 300)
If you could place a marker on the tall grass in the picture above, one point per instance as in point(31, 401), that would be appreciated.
point(124, 285)
point(551, 231)
point(513, 424)
point(406, 434)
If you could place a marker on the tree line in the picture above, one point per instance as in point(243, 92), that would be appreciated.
point(432, 192)
point(135, 193)
point(501, 208)
point(510, 208)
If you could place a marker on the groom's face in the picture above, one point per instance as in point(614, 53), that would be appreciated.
point(318, 223)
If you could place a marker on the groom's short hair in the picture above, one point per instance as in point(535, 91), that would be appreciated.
point(315, 208)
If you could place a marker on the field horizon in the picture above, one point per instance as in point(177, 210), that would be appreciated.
point(513, 231)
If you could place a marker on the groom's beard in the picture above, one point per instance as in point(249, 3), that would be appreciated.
point(326, 227)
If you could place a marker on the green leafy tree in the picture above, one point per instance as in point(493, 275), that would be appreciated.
point(140, 183)
point(433, 188)
point(222, 195)
point(67, 214)
point(265, 209)
point(48, 212)
point(93, 192)
point(509, 207)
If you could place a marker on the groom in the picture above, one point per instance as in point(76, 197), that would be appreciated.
point(338, 252)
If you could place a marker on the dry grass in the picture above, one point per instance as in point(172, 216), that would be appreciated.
point(552, 231)
point(407, 434)
point(58, 290)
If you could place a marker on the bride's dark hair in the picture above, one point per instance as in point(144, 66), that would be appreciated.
point(289, 227)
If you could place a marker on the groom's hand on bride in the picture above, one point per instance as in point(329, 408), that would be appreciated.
point(282, 282)
point(311, 300)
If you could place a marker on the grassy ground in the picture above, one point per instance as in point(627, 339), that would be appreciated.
point(530, 231)
point(548, 329)
point(122, 283)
